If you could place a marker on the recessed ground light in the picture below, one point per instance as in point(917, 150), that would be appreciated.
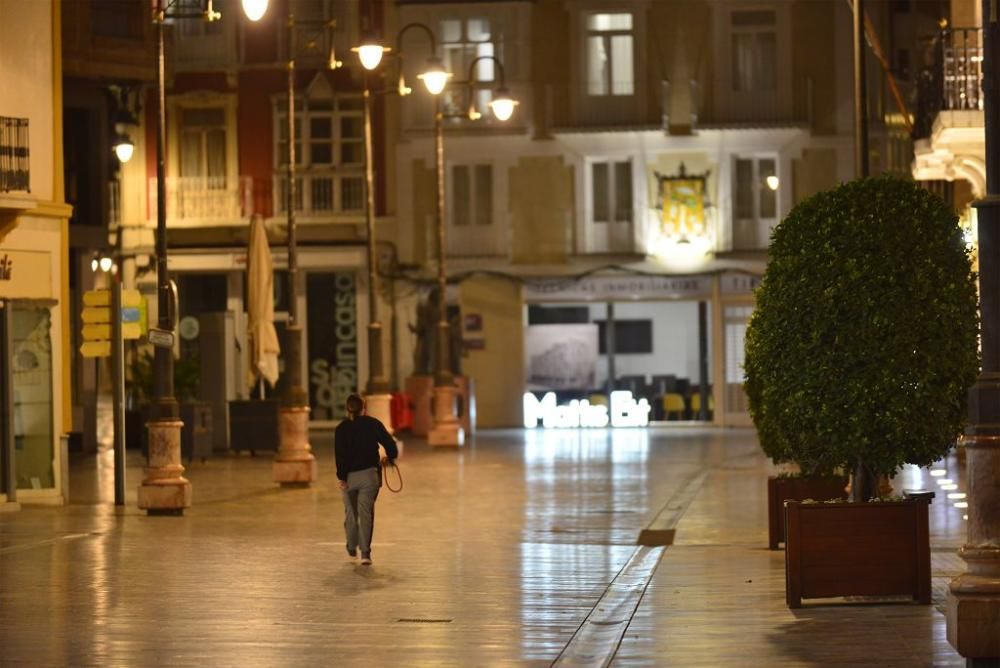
point(962, 504)
point(938, 472)
point(957, 495)
point(945, 481)
point(949, 487)
point(965, 517)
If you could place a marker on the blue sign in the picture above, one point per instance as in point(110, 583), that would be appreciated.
point(130, 314)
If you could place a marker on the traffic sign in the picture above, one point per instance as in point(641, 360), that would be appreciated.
point(96, 317)
point(97, 298)
point(96, 314)
point(96, 349)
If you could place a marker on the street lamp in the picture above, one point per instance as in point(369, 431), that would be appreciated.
point(294, 463)
point(973, 611)
point(370, 52)
point(164, 490)
point(447, 430)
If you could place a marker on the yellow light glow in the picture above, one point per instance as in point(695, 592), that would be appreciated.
point(962, 504)
point(124, 150)
point(435, 79)
point(503, 106)
point(772, 182)
point(254, 9)
point(370, 54)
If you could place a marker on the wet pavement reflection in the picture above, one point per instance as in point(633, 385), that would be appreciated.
point(494, 554)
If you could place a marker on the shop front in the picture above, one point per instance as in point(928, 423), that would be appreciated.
point(213, 324)
point(629, 349)
point(32, 459)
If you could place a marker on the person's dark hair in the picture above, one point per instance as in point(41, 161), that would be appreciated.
point(355, 404)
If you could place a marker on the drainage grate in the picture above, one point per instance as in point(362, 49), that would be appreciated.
point(419, 620)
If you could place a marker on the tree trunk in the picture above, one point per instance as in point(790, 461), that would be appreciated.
point(864, 484)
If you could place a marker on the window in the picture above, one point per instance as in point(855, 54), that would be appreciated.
point(329, 147)
point(120, 19)
point(609, 47)
point(472, 195)
point(462, 41)
point(632, 337)
point(753, 35)
point(203, 146)
point(557, 315)
point(755, 198)
point(611, 193)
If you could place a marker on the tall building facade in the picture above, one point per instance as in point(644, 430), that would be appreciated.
point(34, 243)
point(630, 199)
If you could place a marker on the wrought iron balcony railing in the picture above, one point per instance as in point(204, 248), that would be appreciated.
point(14, 155)
point(954, 81)
point(198, 200)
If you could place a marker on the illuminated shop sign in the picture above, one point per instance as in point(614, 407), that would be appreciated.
point(625, 412)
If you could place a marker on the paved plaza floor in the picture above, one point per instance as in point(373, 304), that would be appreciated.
point(519, 549)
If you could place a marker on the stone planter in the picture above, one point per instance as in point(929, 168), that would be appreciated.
point(857, 549)
point(784, 489)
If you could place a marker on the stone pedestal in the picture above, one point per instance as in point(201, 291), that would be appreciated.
point(294, 464)
point(973, 612)
point(380, 406)
point(164, 489)
point(447, 431)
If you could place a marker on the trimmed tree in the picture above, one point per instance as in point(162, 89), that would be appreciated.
point(863, 345)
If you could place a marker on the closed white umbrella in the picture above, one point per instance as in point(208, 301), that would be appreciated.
point(263, 339)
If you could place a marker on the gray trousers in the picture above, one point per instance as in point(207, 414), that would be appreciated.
point(359, 508)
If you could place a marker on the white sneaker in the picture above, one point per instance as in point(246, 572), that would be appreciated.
point(366, 559)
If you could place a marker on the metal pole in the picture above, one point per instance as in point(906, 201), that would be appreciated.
point(860, 93)
point(8, 463)
point(164, 404)
point(973, 610)
point(443, 375)
point(295, 394)
point(610, 345)
point(703, 393)
point(377, 382)
point(118, 390)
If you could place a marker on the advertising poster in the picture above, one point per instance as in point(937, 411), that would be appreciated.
point(683, 207)
point(561, 357)
point(333, 342)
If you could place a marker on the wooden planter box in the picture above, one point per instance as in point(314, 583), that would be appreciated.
point(780, 490)
point(857, 549)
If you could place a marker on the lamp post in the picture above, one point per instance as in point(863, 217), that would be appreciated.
point(973, 611)
point(370, 52)
point(294, 464)
point(447, 430)
point(860, 93)
point(164, 490)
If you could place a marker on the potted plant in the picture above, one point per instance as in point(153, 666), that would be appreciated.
point(197, 415)
point(859, 356)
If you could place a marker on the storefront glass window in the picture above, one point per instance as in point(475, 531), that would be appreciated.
point(31, 370)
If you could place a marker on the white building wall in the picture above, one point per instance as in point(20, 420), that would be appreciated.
point(26, 86)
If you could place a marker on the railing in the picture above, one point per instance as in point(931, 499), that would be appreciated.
point(683, 104)
point(322, 193)
point(114, 204)
point(15, 167)
point(195, 199)
point(755, 108)
point(954, 81)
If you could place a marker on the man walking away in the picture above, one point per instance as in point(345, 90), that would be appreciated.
point(355, 444)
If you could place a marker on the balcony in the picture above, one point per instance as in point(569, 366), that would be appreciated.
point(664, 106)
point(15, 167)
point(949, 134)
point(323, 194)
point(206, 201)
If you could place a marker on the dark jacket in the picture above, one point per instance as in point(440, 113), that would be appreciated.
point(355, 444)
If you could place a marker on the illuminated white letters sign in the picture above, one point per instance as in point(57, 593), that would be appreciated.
point(625, 412)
